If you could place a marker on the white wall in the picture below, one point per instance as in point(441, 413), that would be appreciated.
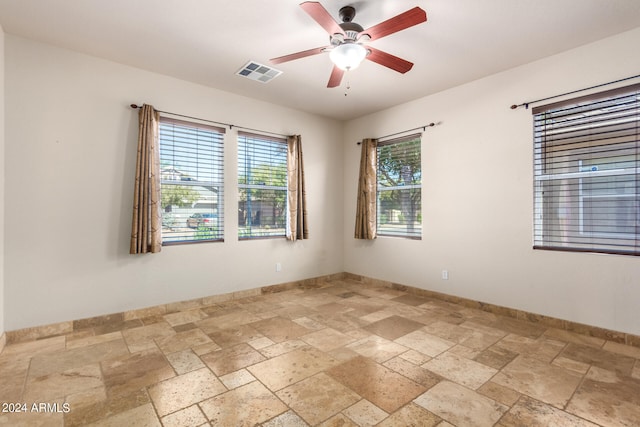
point(2, 174)
point(71, 144)
point(477, 197)
point(70, 141)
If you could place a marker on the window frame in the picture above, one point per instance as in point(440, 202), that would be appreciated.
point(211, 140)
point(381, 230)
point(586, 177)
point(276, 146)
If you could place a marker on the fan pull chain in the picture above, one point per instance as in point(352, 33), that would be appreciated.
point(347, 88)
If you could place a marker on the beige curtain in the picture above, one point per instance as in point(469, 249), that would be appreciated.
point(366, 207)
point(146, 226)
point(297, 201)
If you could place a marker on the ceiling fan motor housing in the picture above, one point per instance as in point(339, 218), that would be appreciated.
point(350, 28)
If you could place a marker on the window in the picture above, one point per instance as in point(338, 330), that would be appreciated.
point(262, 186)
point(191, 182)
point(586, 170)
point(399, 182)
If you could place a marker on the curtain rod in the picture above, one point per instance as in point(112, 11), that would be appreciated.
point(231, 126)
point(526, 104)
point(424, 128)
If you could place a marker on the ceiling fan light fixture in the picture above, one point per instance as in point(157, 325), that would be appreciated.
point(348, 55)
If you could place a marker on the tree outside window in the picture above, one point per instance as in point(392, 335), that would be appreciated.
point(400, 188)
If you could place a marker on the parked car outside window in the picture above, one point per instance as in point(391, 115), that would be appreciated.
point(204, 219)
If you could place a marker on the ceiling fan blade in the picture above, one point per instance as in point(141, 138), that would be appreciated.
point(400, 22)
point(322, 17)
point(388, 60)
point(298, 55)
point(336, 77)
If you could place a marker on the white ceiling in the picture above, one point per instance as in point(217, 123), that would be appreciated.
point(208, 41)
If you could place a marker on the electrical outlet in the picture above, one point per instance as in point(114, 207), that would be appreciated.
point(278, 267)
point(445, 274)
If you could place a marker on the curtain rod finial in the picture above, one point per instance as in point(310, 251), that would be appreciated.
point(134, 106)
point(513, 107)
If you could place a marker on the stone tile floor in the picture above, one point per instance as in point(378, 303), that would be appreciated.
point(342, 354)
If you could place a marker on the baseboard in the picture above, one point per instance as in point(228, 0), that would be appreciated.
point(133, 318)
point(582, 329)
point(3, 341)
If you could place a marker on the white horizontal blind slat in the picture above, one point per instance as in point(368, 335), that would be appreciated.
point(192, 182)
point(587, 175)
point(262, 186)
point(399, 188)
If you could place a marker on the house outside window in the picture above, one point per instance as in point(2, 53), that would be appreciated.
point(586, 173)
point(262, 186)
point(399, 188)
point(191, 182)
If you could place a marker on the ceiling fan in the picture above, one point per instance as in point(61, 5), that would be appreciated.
point(347, 40)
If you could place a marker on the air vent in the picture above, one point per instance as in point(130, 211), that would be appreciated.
point(258, 72)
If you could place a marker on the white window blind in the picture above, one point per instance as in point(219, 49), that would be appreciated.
point(399, 182)
point(587, 173)
point(192, 178)
point(262, 186)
